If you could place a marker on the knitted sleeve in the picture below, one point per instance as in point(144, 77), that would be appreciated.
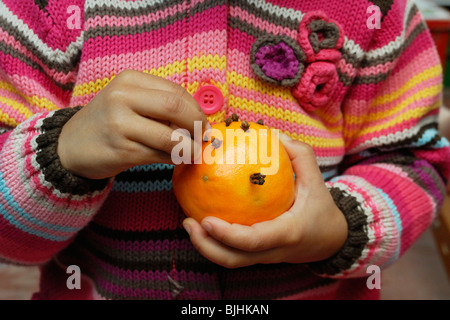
point(42, 206)
point(392, 181)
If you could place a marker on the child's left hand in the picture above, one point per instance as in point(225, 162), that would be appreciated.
point(312, 230)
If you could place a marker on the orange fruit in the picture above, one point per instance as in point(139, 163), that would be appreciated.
point(237, 180)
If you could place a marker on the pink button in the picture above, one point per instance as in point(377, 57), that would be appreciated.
point(209, 98)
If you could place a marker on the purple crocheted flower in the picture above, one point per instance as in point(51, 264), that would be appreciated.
point(277, 59)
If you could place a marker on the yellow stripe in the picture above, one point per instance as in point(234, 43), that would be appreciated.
point(413, 82)
point(178, 67)
point(260, 86)
point(424, 93)
point(315, 142)
point(209, 61)
point(94, 87)
point(279, 114)
point(288, 116)
point(90, 87)
point(17, 106)
point(6, 119)
point(410, 114)
point(275, 91)
point(41, 103)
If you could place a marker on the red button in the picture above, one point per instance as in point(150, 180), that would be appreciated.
point(209, 98)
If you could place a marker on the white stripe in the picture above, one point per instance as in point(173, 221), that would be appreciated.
point(55, 55)
point(276, 10)
point(120, 4)
point(393, 137)
point(370, 233)
point(329, 161)
point(273, 9)
point(353, 48)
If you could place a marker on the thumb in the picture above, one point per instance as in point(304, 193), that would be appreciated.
point(303, 160)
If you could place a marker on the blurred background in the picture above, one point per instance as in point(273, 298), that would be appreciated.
point(422, 273)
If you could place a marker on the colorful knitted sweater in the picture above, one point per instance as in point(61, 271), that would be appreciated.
point(365, 97)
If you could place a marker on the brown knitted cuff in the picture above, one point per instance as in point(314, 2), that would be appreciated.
point(48, 160)
point(356, 240)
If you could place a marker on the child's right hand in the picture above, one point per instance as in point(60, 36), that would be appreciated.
point(130, 122)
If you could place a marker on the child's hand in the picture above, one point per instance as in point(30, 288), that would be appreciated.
point(129, 123)
point(312, 230)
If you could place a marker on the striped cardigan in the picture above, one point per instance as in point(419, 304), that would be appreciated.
point(365, 98)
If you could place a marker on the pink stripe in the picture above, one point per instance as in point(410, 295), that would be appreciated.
point(178, 30)
point(123, 21)
point(392, 104)
point(38, 215)
point(282, 104)
point(15, 67)
point(85, 99)
point(399, 76)
point(404, 124)
point(121, 44)
point(48, 214)
point(29, 87)
point(413, 204)
point(23, 247)
point(154, 57)
point(378, 69)
point(350, 71)
point(374, 224)
point(240, 41)
point(139, 245)
point(427, 84)
point(239, 62)
point(414, 66)
point(264, 25)
point(300, 129)
point(52, 28)
point(423, 43)
point(13, 43)
point(37, 21)
point(415, 21)
point(394, 23)
point(346, 68)
point(145, 275)
point(14, 114)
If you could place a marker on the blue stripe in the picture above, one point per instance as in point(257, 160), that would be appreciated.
point(329, 174)
point(28, 217)
point(397, 221)
point(428, 136)
point(398, 225)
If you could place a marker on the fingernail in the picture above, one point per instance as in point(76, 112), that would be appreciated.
point(187, 228)
point(207, 226)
